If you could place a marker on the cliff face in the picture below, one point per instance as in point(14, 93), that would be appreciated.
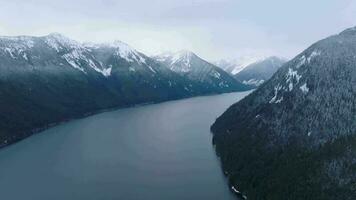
point(294, 137)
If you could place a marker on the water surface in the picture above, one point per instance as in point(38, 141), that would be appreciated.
point(160, 151)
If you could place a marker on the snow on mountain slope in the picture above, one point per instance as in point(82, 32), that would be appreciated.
point(122, 50)
point(301, 124)
point(16, 47)
point(179, 62)
point(257, 73)
point(75, 54)
point(196, 69)
point(234, 66)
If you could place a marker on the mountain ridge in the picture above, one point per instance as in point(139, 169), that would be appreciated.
point(294, 137)
point(236, 65)
point(196, 69)
point(258, 72)
point(50, 79)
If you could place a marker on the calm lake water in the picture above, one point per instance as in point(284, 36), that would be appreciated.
point(160, 151)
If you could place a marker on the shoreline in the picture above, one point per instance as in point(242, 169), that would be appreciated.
point(21, 136)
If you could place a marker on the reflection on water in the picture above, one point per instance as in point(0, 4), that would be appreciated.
point(160, 151)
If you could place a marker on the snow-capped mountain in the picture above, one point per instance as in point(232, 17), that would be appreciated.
point(200, 71)
point(45, 80)
point(234, 66)
point(298, 130)
point(257, 73)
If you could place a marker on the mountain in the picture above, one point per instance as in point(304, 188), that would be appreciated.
point(234, 66)
point(50, 79)
point(203, 73)
point(295, 136)
point(257, 73)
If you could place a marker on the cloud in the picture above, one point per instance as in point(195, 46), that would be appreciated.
point(212, 28)
point(348, 14)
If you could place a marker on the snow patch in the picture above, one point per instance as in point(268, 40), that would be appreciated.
point(17, 45)
point(131, 69)
point(304, 88)
point(105, 72)
point(74, 57)
point(18, 41)
point(274, 98)
point(301, 62)
point(235, 190)
point(25, 56)
point(290, 86)
point(279, 100)
point(313, 54)
point(8, 50)
point(51, 42)
point(126, 52)
point(122, 50)
point(59, 42)
point(179, 62)
point(216, 74)
point(223, 84)
point(290, 76)
point(149, 67)
point(77, 56)
point(303, 59)
point(293, 74)
point(254, 82)
point(73, 63)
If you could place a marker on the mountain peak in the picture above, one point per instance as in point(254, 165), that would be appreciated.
point(60, 38)
point(57, 41)
point(56, 35)
point(185, 53)
point(235, 65)
point(183, 56)
point(260, 71)
point(121, 49)
point(119, 44)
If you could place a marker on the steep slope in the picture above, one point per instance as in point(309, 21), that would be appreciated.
point(137, 74)
point(294, 137)
point(208, 76)
point(257, 73)
point(50, 79)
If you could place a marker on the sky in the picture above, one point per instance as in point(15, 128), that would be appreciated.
point(213, 29)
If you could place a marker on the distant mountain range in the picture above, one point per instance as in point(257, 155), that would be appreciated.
point(295, 136)
point(258, 72)
point(50, 79)
point(209, 76)
point(234, 66)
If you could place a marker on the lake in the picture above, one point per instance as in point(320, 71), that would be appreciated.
point(158, 151)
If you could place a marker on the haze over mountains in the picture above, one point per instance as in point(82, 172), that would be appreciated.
point(189, 65)
point(294, 137)
point(49, 79)
point(234, 66)
point(258, 72)
point(252, 71)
